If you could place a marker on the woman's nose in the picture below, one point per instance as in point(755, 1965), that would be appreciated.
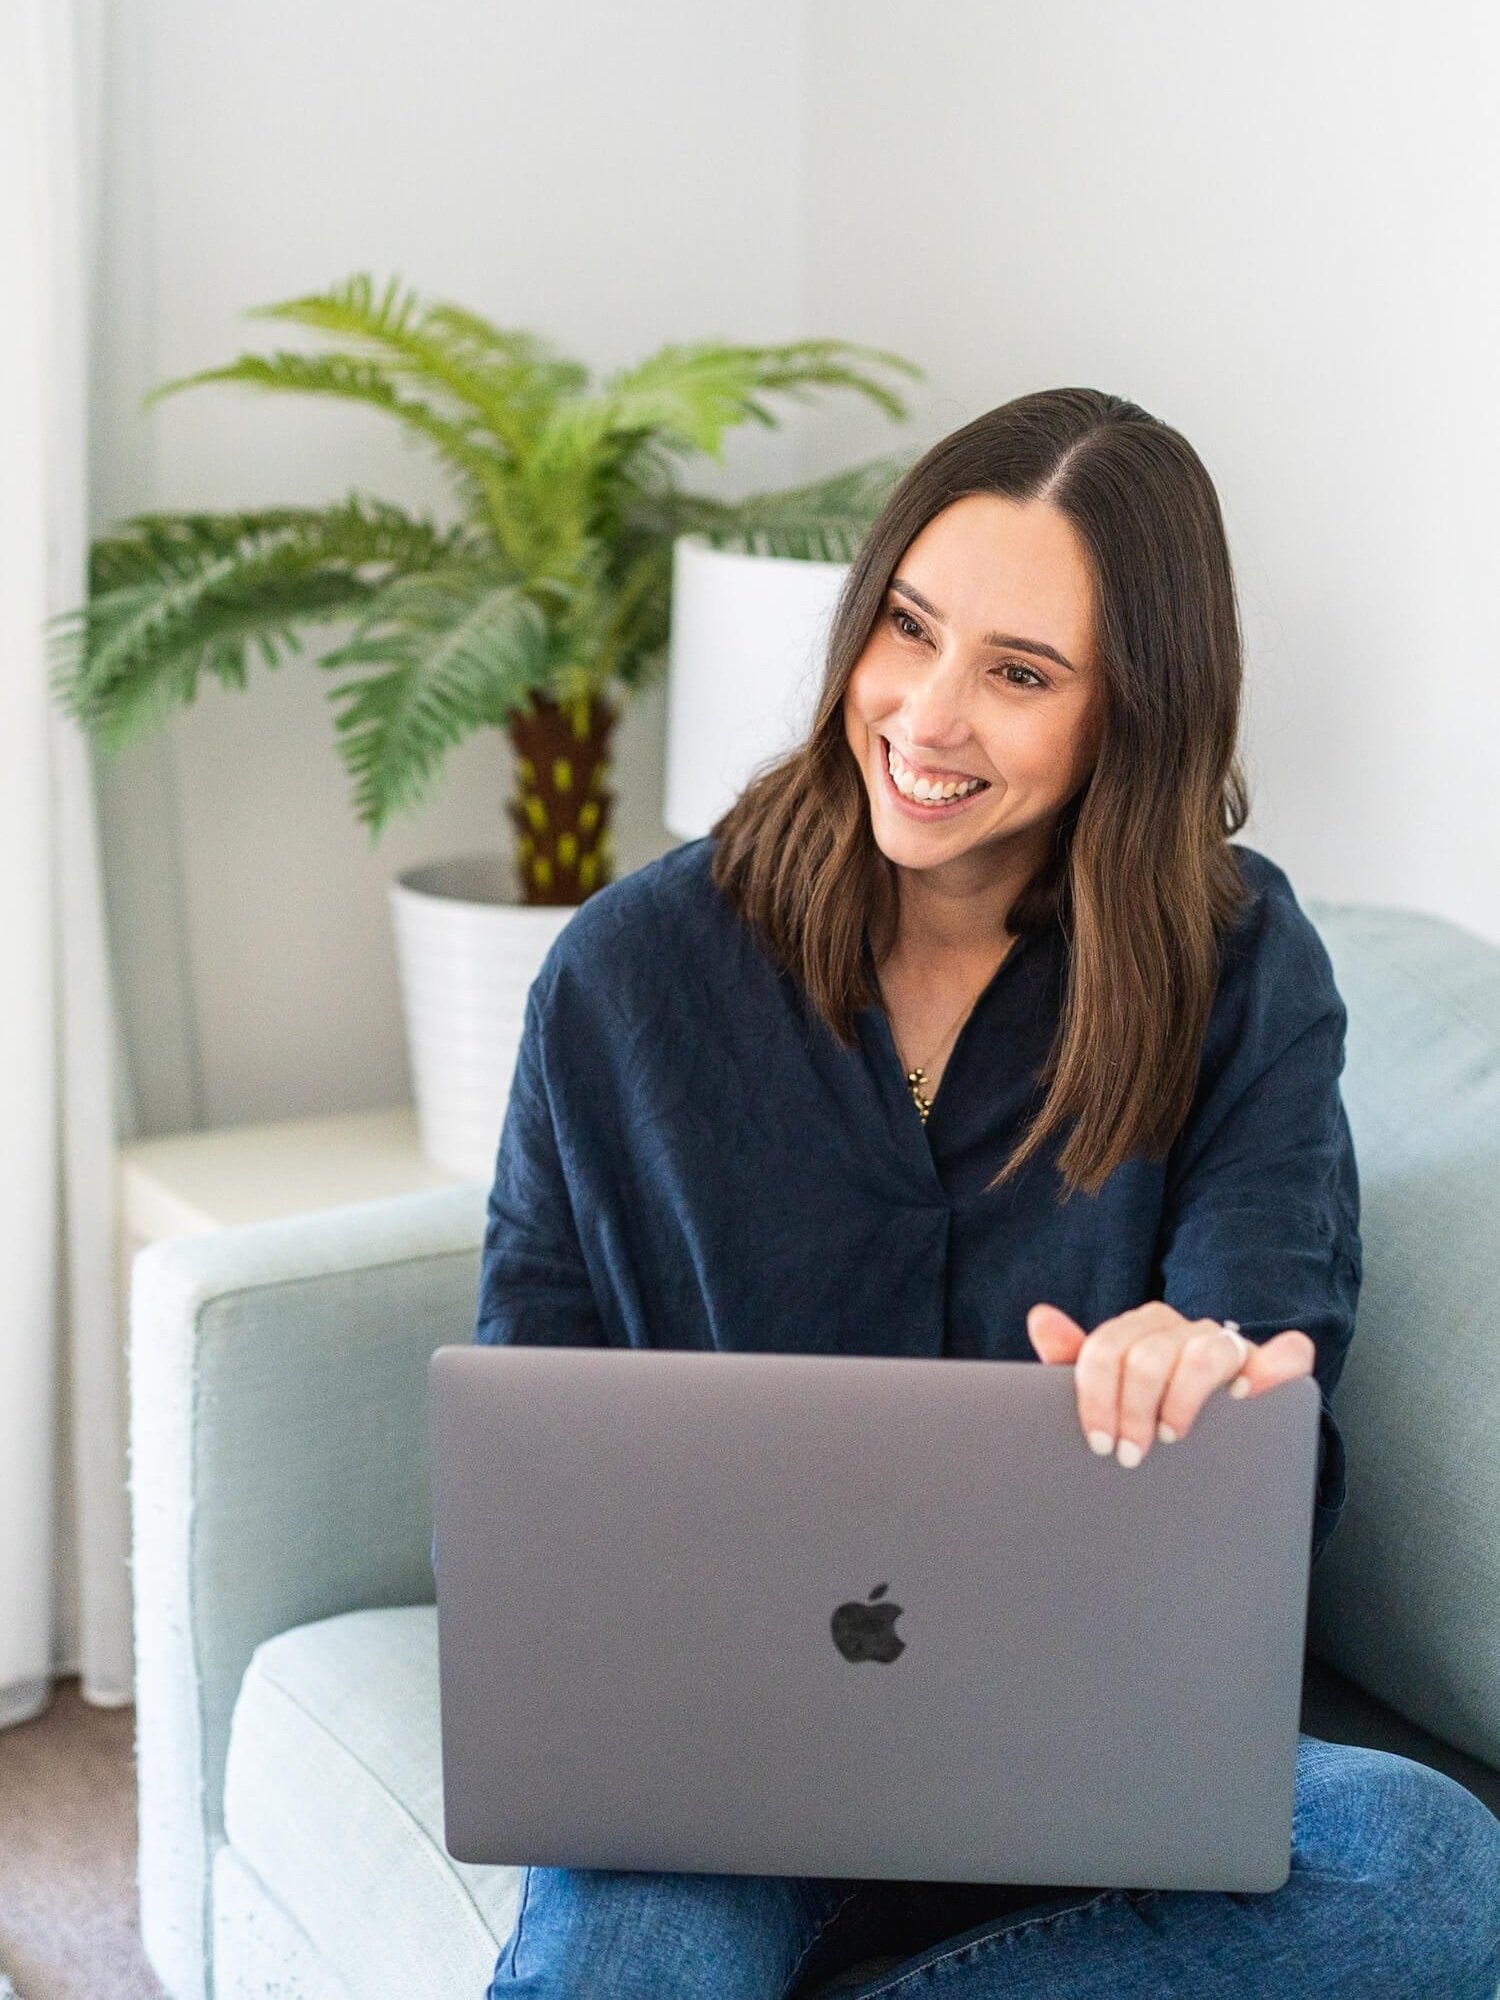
point(935, 711)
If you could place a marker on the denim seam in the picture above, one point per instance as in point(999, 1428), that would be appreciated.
point(515, 1936)
point(802, 1955)
point(1005, 1931)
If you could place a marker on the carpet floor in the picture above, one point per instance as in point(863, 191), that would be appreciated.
point(68, 1911)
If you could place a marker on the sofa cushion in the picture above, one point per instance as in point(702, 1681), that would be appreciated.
point(333, 1799)
point(260, 1952)
point(1406, 1596)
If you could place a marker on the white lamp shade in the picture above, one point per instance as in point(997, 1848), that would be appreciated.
point(748, 648)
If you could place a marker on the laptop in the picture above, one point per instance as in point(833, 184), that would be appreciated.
point(875, 1617)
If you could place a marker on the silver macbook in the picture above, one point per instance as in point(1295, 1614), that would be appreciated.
point(869, 1617)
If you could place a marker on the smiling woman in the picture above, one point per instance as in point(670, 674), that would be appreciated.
point(726, 1131)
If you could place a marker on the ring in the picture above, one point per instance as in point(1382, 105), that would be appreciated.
point(1232, 1328)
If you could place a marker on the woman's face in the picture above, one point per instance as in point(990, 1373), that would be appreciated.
point(979, 666)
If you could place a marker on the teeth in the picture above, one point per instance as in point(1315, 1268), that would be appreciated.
point(912, 787)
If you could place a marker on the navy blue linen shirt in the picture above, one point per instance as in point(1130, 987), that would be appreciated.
point(689, 1158)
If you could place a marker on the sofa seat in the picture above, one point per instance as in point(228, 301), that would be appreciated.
point(263, 1953)
point(333, 1808)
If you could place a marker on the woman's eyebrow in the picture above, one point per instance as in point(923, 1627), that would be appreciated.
point(990, 638)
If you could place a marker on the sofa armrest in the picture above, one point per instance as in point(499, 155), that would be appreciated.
point(1405, 1601)
point(278, 1474)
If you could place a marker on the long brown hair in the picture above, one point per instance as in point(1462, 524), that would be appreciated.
point(1140, 875)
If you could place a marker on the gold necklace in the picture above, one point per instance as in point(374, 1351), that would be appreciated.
point(917, 1076)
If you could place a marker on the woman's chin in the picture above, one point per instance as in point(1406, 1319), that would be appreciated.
point(915, 847)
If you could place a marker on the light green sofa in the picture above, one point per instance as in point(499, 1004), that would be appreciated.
point(287, 1716)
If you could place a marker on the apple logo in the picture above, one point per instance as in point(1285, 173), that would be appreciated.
point(867, 1631)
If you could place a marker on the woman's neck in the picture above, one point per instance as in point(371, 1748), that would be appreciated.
point(948, 925)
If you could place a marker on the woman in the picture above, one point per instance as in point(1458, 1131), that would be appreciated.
point(1042, 1068)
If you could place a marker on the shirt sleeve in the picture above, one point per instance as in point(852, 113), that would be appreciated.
point(1261, 1220)
point(534, 1287)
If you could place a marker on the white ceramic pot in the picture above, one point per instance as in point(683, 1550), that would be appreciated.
point(468, 950)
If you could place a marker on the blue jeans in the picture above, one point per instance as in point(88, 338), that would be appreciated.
point(1394, 1894)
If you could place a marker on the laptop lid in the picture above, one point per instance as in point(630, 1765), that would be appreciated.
point(863, 1616)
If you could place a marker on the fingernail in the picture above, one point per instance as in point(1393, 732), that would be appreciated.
point(1128, 1454)
point(1102, 1442)
point(1166, 1433)
point(1239, 1386)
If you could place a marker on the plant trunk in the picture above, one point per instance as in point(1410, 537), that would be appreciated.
point(564, 851)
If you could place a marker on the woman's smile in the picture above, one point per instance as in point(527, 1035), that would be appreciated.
point(915, 808)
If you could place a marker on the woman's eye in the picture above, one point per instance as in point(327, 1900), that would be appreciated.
point(902, 619)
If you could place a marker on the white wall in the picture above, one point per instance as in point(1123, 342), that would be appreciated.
point(1273, 228)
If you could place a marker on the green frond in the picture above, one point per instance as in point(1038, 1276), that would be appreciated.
point(645, 469)
point(581, 458)
point(640, 603)
point(179, 595)
point(540, 376)
point(350, 379)
point(799, 352)
point(356, 529)
point(508, 379)
point(129, 706)
point(686, 396)
point(689, 395)
point(829, 364)
point(457, 649)
point(825, 521)
point(157, 540)
point(673, 513)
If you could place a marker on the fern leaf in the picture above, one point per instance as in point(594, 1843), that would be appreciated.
point(184, 594)
point(825, 521)
point(692, 394)
point(508, 379)
point(346, 377)
point(459, 648)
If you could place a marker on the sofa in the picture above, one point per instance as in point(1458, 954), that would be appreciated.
point(287, 1743)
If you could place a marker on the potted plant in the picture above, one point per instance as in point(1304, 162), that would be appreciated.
point(538, 612)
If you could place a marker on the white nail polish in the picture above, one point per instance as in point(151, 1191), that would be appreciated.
point(1128, 1453)
point(1101, 1442)
point(1166, 1433)
point(1239, 1386)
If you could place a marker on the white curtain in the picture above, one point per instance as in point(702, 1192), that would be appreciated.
point(64, 1575)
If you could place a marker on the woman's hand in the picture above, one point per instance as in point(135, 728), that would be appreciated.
point(1146, 1374)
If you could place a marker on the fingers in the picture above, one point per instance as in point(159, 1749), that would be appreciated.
point(1282, 1358)
point(1205, 1362)
point(1146, 1374)
point(1053, 1334)
point(1123, 1372)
